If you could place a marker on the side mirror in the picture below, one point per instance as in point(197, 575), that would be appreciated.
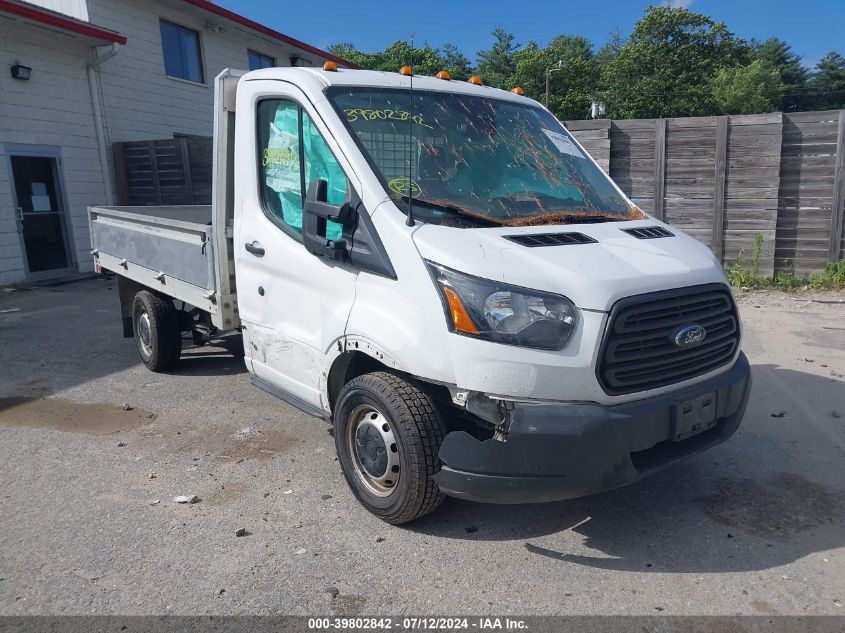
point(315, 213)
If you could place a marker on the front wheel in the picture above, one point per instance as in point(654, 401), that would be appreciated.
point(388, 433)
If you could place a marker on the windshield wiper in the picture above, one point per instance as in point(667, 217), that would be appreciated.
point(453, 210)
point(596, 219)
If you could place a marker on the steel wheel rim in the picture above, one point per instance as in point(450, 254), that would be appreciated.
point(374, 450)
point(144, 332)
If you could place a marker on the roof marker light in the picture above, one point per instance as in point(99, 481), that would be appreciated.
point(475, 80)
point(519, 91)
point(407, 71)
point(330, 66)
point(444, 75)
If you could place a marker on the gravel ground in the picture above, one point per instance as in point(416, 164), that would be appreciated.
point(94, 448)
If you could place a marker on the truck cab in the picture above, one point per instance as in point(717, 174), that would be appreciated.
point(439, 269)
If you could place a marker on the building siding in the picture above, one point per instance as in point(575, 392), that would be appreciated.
point(51, 110)
point(139, 101)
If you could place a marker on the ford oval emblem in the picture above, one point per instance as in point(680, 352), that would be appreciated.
point(689, 335)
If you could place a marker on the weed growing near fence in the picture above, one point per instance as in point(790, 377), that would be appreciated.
point(833, 277)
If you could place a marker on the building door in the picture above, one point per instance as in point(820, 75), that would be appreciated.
point(41, 214)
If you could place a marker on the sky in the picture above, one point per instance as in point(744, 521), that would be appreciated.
point(812, 27)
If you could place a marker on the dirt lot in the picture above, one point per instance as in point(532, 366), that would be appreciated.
point(88, 523)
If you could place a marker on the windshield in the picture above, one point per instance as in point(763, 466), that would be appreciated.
point(470, 161)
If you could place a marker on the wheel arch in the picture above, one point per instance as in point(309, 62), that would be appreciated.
point(355, 357)
point(350, 364)
point(126, 290)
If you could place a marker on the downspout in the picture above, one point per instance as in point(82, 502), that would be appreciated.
point(98, 117)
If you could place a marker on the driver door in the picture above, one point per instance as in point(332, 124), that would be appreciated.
point(293, 305)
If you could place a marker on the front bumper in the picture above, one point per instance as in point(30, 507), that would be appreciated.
point(562, 451)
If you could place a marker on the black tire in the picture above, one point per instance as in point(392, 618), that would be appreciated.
point(417, 427)
point(158, 336)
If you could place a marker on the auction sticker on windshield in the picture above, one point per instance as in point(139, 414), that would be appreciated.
point(563, 144)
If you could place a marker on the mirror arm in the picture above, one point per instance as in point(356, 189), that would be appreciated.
point(343, 214)
point(316, 208)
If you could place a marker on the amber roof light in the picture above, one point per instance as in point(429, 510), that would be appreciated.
point(475, 80)
point(330, 66)
point(518, 91)
point(443, 74)
point(407, 71)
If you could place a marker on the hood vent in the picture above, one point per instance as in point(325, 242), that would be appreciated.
point(550, 239)
point(649, 232)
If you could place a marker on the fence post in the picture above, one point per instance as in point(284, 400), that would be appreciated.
point(121, 178)
point(834, 251)
point(151, 153)
point(718, 242)
point(659, 168)
point(186, 169)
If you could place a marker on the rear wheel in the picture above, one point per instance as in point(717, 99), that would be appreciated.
point(388, 433)
point(158, 336)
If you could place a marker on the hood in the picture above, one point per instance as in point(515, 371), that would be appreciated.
point(612, 265)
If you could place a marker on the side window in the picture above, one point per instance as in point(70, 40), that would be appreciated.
point(292, 154)
point(320, 163)
point(280, 161)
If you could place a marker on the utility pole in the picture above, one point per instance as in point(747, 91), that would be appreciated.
point(597, 108)
point(549, 71)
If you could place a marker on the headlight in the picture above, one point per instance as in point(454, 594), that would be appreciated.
point(504, 314)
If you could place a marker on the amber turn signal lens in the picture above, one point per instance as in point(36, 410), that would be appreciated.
point(407, 71)
point(476, 80)
point(460, 318)
point(518, 91)
point(330, 66)
point(443, 75)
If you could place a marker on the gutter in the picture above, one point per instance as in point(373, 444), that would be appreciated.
point(98, 117)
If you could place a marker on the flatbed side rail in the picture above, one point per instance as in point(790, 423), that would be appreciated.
point(167, 249)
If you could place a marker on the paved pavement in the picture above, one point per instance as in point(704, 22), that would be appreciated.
point(88, 524)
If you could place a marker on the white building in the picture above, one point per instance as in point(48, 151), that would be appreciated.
point(78, 75)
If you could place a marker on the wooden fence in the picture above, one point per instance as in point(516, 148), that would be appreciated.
point(721, 179)
point(162, 172)
point(726, 179)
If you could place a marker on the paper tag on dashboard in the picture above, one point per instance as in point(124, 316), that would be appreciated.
point(563, 143)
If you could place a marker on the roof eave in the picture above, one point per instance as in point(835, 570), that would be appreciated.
point(265, 30)
point(37, 15)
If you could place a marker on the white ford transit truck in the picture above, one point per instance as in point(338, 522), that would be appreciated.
point(440, 270)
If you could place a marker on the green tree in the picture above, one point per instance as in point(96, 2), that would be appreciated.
point(455, 62)
point(348, 52)
point(749, 89)
point(497, 64)
point(666, 66)
point(425, 60)
point(572, 87)
point(827, 87)
point(777, 54)
point(614, 44)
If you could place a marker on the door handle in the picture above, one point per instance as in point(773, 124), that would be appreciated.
point(255, 248)
point(20, 214)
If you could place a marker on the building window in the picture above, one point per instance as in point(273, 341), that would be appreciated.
point(258, 61)
point(181, 49)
